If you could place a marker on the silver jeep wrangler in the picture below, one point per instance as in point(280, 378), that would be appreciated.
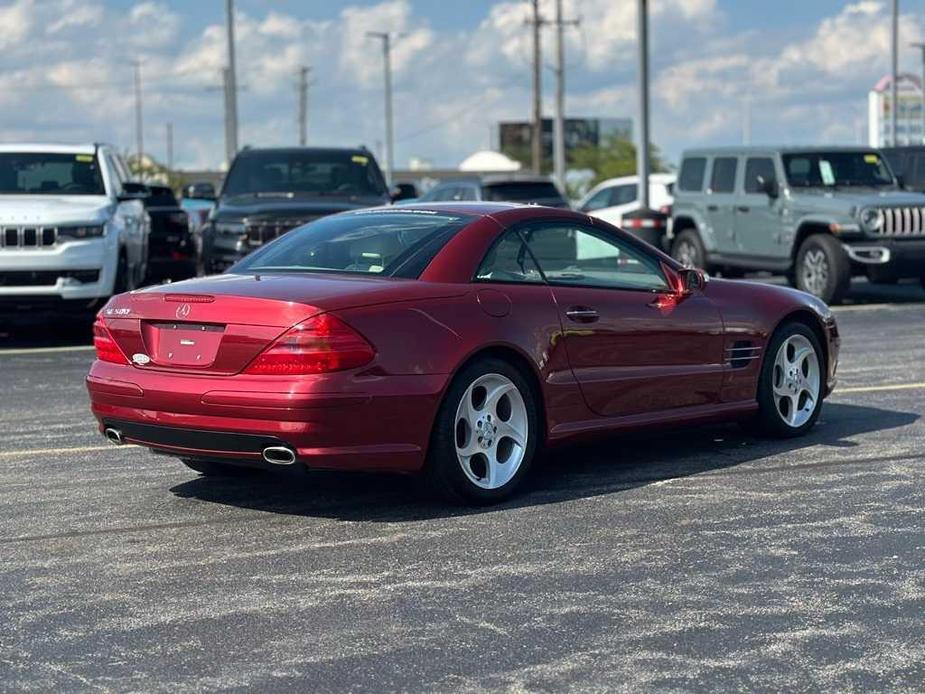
point(818, 215)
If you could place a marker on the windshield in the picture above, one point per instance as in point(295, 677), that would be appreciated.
point(522, 191)
point(809, 169)
point(24, 173)
point(384, 242)
point(294, 173)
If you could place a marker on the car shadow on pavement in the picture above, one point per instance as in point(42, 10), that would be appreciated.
point(616, 464)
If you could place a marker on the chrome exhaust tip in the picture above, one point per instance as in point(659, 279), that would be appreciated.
point(114, 436)
point(279, 455)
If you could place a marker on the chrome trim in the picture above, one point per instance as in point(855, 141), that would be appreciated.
point(20, 233)
point(279, 455)
point(868, 255)
point(898, 221)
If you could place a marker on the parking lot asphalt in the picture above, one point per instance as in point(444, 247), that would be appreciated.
point(692, 559)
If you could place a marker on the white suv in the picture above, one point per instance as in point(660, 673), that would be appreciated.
point(613, 198)
point(73, 230)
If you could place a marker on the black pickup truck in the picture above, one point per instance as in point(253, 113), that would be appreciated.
point(171, 248)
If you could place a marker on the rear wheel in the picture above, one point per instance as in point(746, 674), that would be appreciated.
point(791, 382)
point(210, 468)
point(688, 249)
point(485, 434)
point(823, 268)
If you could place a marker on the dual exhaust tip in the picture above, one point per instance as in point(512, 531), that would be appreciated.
point(275, 455)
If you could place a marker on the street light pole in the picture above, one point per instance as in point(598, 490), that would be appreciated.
point(559, 130)
point(921, 46)
point(231, 87)
point(894, 73)
point(303, 105)
point(386, 39)
point(536, 142)
point(642, 150)
point(139, 131)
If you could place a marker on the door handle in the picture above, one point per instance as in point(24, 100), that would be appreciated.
point(742, 208)
point(712, 208)
point(582, 314)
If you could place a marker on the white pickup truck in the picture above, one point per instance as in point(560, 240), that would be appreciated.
point(73, 230)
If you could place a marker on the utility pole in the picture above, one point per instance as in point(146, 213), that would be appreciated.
point(139, 136)
point(921, 46)
point(642, 150)
point(303, 105)
point(231, 89)
point(536, 142)
point(386, 39)
point(558, 133)
point(169, 147)
point(894, 73)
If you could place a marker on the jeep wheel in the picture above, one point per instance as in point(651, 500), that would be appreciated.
point(823, 268)
point(688, 249)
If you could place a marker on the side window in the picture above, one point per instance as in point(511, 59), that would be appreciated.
point(755, 167)
point(574, 255)
point(598, 201)
point(623, 195)
point(723, 178)
point(509, 261)
point(465, 193)
point(691, 176)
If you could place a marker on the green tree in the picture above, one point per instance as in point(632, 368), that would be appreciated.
point(615, 157)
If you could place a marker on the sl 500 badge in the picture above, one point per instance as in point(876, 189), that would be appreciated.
point(141, 359)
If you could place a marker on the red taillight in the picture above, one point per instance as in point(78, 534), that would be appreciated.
point(106, 347)
point(319, 345)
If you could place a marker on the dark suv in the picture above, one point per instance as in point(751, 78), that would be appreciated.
point(268, 192)
point(538, 190)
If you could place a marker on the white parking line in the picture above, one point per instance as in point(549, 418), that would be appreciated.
point(875, 389)
point(54, 451)
point(45, 350)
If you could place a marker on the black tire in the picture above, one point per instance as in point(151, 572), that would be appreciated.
point(833, 264)
point(688, 249)
point(209, 468)
point(922, 282)
point(769, 421)
point(121, 285)
point(443, 470)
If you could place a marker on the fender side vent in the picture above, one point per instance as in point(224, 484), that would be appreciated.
point(741, 354)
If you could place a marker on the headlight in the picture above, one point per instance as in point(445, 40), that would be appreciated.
point(872, 218)
point(82, 232)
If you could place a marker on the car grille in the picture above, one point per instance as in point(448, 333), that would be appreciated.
point(903, 221)
point(46, 278)
point(28, 237)
point(260, 232)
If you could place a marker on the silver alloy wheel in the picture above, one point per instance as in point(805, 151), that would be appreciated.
point(815, 271)
point(796, 380)
point(686, 254)
point(491, 431)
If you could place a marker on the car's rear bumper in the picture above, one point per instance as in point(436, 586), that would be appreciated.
point(338, 421)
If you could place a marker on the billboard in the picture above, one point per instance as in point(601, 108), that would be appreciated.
point(514, 137)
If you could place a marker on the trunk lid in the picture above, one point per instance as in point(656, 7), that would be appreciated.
point(218, 325)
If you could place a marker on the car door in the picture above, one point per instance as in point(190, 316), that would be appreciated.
point(758, 215)
point(719, 212)
point(633, 347)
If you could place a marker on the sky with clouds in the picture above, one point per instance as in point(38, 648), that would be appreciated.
point(460, 66)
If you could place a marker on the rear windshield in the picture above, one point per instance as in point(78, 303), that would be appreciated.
point(50, 174)
point(306, 172)
point(385, 242)
point(521, 192)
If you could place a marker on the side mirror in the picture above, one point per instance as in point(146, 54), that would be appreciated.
point(692, 280)
point(134, 191)
point(900, 182)
point(768, 186)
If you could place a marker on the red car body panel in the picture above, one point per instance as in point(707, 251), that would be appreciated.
point(641, 365)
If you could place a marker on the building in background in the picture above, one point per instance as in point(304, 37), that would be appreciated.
point(514, 137)
point(909, 116)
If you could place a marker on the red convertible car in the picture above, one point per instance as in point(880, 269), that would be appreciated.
point(454, 340)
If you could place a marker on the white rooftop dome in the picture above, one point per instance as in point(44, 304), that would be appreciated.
point(489, 160)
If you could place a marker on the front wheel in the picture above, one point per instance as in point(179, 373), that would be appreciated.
point(485, 434)
point(823, 268)
point(791, 382)
point(688, 250)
